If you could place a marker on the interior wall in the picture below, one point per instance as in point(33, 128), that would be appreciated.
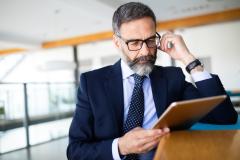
point(219, 42)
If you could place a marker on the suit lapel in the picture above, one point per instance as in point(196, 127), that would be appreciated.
point(114, 92)
point(159, 89)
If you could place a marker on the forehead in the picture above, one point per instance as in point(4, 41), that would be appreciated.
point(139, 29)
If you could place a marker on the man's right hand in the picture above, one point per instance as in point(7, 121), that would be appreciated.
point(139, 140)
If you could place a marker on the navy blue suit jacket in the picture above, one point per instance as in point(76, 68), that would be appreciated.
point(98, 118)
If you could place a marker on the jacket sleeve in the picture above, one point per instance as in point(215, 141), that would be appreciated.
point(224, 113)
point(82, 144)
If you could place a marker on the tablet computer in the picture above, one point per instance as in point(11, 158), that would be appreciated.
point(183, 114)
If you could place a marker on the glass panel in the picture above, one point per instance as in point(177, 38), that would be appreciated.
point(12, 132)
point(52, 65)
point(50, 109)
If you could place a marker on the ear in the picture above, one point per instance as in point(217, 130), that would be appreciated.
point(116, 41)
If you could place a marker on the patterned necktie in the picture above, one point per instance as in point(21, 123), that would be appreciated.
point(136, 110)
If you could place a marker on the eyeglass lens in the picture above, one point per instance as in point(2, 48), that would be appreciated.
point(137, 44)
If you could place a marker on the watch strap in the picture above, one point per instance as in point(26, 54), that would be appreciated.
point(192, 65)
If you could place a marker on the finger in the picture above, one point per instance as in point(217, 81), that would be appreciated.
point(162, 41)
point(139, 133)
point(143, 136)
point(153, 142)
point(166, 129)
point(161, 44)
point(151, 133)
point(166, 39)
point(148, 139)
point(142, 144)
point(169, 32)
point(139, 143)
point(137, 128)
point(136, 132)
point(149, 146)
point(169, 40)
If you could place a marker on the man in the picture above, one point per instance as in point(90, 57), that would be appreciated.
point(117, 105)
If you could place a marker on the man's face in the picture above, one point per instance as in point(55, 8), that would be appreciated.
point(145, 57)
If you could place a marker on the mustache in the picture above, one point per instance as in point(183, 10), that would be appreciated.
point(150, 58)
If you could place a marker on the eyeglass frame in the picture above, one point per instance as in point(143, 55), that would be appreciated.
point(143, 41)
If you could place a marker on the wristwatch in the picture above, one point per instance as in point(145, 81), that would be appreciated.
point(193, 64)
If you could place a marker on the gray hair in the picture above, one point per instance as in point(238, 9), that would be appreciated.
point(128, 12)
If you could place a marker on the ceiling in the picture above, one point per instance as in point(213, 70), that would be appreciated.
point(29, 23)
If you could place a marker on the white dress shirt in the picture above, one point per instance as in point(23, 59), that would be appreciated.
point(150, 114)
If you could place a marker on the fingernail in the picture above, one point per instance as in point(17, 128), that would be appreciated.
point(166, 129)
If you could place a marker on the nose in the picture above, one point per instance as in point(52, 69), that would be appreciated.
point(144, 50)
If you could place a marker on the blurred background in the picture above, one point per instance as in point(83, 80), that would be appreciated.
point(45, 46)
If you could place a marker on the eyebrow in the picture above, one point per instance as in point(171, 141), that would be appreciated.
point(130, 40)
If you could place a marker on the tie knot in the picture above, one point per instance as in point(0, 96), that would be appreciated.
point(138, 79)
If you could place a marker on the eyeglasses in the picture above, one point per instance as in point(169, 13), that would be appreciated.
point(136, 44)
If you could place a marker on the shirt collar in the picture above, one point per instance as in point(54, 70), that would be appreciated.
point(126, 70)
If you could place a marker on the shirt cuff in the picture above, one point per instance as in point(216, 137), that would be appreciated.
point(200, 76)
point(115, 152)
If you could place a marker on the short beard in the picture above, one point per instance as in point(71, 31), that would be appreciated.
point(141, 69)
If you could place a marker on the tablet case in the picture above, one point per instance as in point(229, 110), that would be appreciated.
point(183, 114)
